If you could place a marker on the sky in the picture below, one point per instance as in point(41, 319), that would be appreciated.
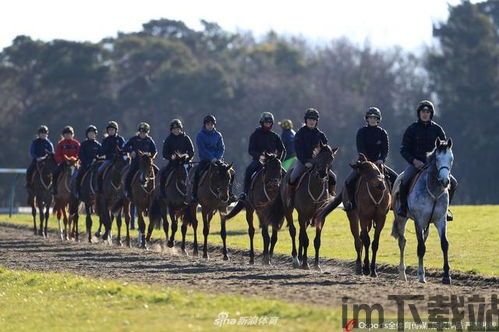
point(382, 23)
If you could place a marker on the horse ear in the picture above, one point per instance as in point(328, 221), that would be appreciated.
point(449, 143)
point(334, 150)
point(362, 157)
point(438, 142)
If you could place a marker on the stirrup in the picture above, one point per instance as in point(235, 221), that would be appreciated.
point(450, 216)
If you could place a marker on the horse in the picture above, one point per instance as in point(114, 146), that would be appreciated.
point(87, 196)
point(174, 202)
point(41, 195)
point(264, 190)
point(213, 196)
point(63, 195)
point(428, 201)
point(374, 200)
point(142, 186)
point(111, 203)
point(312, 193)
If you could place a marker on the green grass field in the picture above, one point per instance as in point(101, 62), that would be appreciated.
point(32, 301)
point(472, 236)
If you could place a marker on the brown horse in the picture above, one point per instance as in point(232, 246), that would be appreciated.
point(86, 196)
point(373, 200)
point(213, 196)
point(174, 202)
point(312, 192)
point(264, 191)
point(111, 202)
point(41, 195)
point(143, 185)
point(63, 195)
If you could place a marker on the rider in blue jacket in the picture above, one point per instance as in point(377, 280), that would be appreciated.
point(38, 149)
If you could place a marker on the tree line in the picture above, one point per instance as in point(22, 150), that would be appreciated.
point(169, 70)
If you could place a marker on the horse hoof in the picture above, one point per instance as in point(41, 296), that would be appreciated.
point(296, 262)
point(366, 271)
point(266, 261)
point(422, 280)
point(305, 266)
point(184, 252)
point(170, 244)
point(226, 258)
point(317, 267)
point(252, 261)
point(446, 280)
point(403, 276)
point(205, 256)
point(374, 274)
point(40, 232)
point(97, 234)
point(195, 253)
point(120, 244)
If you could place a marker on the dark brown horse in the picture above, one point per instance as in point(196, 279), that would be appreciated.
point(112, 202)
point(213, 196)
point(86, 196)
point(264, 190)
point(63, 195)
point(312, 192)
point(143, 185)
point(41, 194)
point(173, 204)
point(373, 200)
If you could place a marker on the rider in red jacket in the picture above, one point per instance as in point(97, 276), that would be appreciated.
point(68, 147)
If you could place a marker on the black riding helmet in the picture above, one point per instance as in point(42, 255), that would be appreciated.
point(144, 127)
point(426, 105)
point(112, 124)
point(373, 112)
point(266, 117)
point(210, 118)
point(43, 129)
point(68, 130)
point(311, 113)
point(91, 128)
point(176, 123)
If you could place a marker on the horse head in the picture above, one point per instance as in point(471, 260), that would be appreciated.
point(370, 172)
point(220, 174)
point(444, 159)
point(272, 169)
point(323, 157)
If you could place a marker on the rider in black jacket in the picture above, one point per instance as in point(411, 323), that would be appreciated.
point(178, 141)
point(418, 140)
point(372, 141)
point(262, 140)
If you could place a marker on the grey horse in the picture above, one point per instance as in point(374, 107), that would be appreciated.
point(427, 202)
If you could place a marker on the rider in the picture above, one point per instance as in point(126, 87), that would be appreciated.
point(178, 141)
point(211, 147)
point(140, 142)
point(38, 149)
point(372, 142)
point(67, 147)
point(89, 150)
point(288, 139)
point(307, 139)
point(112, 144)
point(262, 140)
point(419, 139)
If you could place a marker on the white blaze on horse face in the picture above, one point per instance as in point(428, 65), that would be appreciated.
point(444, 162)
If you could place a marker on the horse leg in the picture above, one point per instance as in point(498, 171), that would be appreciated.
point(357, 242)
point(303, 246)
point(317, 246)
point(206, 232)
point(421, 252)
point(380, 223)
point(251, 233)
point(292, 234)
point(118, 224)
point(33, 213)
point(266, 244)
point(142, 229)
point(101, 222)
point(150, 228)
point(88, 221)
point(444, 243)
point(398, 232)
point(47, 214)
point(223, 234)
point(273, 241)
point(365, 226)
point(195, 230)
point(166, 225)
point(66, 224)
point(183, 229)
point(171, 241)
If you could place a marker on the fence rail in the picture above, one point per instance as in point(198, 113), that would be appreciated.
point(12, 193)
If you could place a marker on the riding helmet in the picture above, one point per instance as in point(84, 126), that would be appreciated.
point(426, 105)
point(266, 117)
point(43, 129)
point(373, 112)
point(68, 130)
point(144, 127)
point(91, 128)
point(112, 124)
point(176, 123)
point(210, 118)
point(312, 113)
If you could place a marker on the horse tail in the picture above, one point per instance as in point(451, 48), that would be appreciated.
point(275, 212)
point(323, 212)
point(188, 216)
point(239, 206)
point(155, 213)
point(396, 227)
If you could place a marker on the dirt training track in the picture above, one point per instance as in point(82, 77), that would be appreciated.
point(20, 249)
